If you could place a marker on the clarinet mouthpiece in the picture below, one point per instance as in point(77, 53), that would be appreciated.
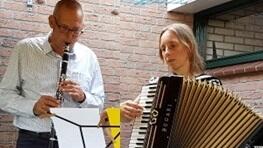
point(67, 46)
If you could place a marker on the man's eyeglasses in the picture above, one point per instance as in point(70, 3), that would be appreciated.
point(66, 29)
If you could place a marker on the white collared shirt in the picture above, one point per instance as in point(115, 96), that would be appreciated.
point(34, 70)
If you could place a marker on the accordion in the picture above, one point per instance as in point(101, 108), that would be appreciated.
point(181, 113)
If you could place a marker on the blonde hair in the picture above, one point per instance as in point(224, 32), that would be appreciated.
point(185, 36)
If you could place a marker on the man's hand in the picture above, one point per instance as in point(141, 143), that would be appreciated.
point(73, 89)
point(43, 105)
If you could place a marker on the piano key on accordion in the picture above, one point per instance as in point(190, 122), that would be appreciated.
point(180, 112)
point(141, 123)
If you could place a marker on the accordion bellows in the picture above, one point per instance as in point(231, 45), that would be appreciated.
point(189, 113)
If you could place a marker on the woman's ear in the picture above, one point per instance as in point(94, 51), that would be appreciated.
point(51, 21)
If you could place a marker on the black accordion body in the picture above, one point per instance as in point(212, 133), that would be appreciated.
point(185, 113)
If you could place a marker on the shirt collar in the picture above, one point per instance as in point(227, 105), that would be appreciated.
point(46, 46)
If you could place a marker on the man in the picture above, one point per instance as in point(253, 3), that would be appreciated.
point(29, 86)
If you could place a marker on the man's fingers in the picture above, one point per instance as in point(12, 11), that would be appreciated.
point(45, 115)
point(46, 99)
point(43, 105)
point(42, 111)
point(68, 82)
point(50, 103)
point(70, 90)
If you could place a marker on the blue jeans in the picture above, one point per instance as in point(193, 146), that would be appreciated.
point(28, 139)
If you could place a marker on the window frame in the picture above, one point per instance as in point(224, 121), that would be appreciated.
point(200, 31)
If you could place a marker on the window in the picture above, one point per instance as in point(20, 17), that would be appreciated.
point(231, 33)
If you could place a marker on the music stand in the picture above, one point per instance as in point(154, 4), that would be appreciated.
point(77, 127)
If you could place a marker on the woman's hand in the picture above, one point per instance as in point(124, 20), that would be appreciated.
point(130, 110)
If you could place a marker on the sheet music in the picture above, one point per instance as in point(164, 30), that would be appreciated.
point(69, 135)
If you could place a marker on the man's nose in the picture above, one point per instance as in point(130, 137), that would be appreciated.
point(70, 37)
point(70, 34)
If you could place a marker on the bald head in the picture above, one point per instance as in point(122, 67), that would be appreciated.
point(67, 23)
point(73, 5)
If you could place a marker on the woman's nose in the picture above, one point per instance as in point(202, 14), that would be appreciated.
point(166, 51)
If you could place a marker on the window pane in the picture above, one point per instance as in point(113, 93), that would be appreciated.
point(234, 32)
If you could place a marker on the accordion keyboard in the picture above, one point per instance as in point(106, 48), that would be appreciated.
point(140, 124)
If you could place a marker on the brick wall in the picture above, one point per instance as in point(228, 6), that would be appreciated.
point(123, 35)
point(245, 80)
point(234, 34)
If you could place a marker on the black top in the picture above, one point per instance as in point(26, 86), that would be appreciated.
point(209, 78)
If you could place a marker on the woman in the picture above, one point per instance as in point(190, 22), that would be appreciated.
point(179, 51)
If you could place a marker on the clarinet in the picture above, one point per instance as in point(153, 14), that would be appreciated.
point(59, 94)
point(64, 65)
